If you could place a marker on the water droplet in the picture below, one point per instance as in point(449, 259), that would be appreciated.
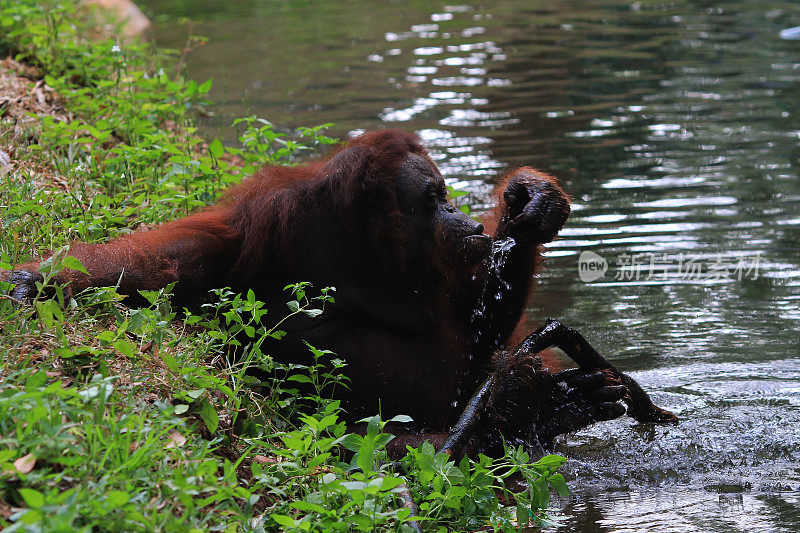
point(499, 255)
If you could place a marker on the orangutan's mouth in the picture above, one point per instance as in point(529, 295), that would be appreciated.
point(475, 248)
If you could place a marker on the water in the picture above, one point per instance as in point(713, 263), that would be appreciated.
point(499, 253)
point(675, 126)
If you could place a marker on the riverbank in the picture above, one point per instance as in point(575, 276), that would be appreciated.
point(119, 419)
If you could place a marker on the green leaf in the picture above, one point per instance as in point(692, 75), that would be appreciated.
point(117, 498)
point(124, 347)
point(552, 461)
point(557, 482)
point(309, 507)
point(33, 498)
point(31, 518)
point(327, 421)
point(391, 482)
point(535, 490)
point(74, 264)
point(195, 394)
point(428, 449)
point(383, 439)
point(106, 336)
point(523, 514)
point(283, 520)
point(318, 460)
point(205, 86)
point(310, 421)
point(181, 408)
point(351, 441)
point(374, 426)
point(216, 149)
point(209, 416)
point(35, 380)
point(540, 494)
point(365, 457)
point(353, 485)
point(170, 362)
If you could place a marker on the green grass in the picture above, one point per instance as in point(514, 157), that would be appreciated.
point(118, 419)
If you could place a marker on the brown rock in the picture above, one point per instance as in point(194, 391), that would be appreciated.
point(134, 23)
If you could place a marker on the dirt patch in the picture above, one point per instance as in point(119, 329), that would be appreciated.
point(24, 99)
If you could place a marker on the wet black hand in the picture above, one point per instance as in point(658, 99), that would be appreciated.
point(577, 399)
point(536, 208)
point(529, 405)
point(25, 285)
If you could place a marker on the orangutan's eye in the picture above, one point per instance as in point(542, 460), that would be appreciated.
point(431, 196)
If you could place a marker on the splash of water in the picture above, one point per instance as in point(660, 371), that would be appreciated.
point(494, 282)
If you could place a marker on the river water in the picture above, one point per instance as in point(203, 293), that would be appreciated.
point(675, 126)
